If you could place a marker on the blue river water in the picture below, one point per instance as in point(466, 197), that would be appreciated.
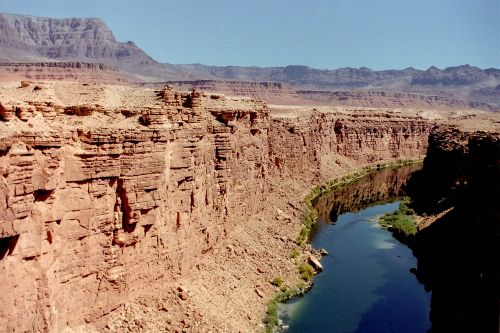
point(366, 285)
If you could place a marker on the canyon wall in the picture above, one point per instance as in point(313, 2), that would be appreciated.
point(377, 186)
point(269, 92)
point(99, 205)
point(458, 253)
point(309, 147)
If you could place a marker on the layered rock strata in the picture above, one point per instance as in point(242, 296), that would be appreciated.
point(100, 203)
point(67, 71)
point(269, 92)
point(384, 99)
point(281, 93)
point(378, 186)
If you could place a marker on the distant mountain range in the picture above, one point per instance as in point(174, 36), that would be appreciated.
point(38, 39)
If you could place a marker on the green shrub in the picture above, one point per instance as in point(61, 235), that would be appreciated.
point(401, 220)
point(294, 254)
point(301, 285)
point(304, 233)
point(306, 271)
point(271, 319)
point(277, 281)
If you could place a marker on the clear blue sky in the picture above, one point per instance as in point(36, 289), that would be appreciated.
point(380, 34)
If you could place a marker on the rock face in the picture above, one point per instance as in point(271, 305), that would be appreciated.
point(269, 92)
point(73, 38)
point(100, 203)
point(454, 86)
point(382, 186)
point(89, 216)
point(354, 78)
point(458, 254)
point(31, 39)
point(309, 145)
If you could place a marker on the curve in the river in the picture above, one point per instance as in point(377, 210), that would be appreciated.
point(366, 285)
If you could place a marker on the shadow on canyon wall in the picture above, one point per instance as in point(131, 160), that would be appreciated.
point(458, 254)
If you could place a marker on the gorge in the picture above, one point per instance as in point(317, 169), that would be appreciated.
point(112, 192)
point(367, 284)
point(139, 196)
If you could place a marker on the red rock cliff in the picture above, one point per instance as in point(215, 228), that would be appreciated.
point(99, 204)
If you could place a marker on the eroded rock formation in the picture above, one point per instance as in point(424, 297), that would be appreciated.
point(378, 186)
point(100, 203)
point(90, 215)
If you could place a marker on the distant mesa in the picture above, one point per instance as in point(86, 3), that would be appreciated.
point(28, 39)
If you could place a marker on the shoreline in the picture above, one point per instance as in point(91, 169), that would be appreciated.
point(271, 320)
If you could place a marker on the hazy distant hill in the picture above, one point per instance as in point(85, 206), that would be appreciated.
point(28, 39)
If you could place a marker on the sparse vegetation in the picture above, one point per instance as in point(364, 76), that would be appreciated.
point(271, 319)
point(306, 271)
point(310, 218)
point(397, 164)
point(277, 281)
point(402, 220)
point(294, 254)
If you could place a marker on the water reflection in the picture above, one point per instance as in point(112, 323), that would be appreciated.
point(378, 186)
point(366, 285)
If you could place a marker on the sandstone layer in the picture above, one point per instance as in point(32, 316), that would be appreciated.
point(136, 209)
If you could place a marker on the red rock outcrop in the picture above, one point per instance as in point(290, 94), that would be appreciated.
point(89, 216)
point(99, 205)
point(307, 145)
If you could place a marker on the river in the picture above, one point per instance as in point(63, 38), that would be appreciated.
point(367, 284)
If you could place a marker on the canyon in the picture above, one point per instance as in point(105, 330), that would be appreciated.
point(122, 202)
point(148, 197)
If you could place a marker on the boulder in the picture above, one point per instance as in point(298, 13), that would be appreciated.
point(314, 262)
point(323, 252)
